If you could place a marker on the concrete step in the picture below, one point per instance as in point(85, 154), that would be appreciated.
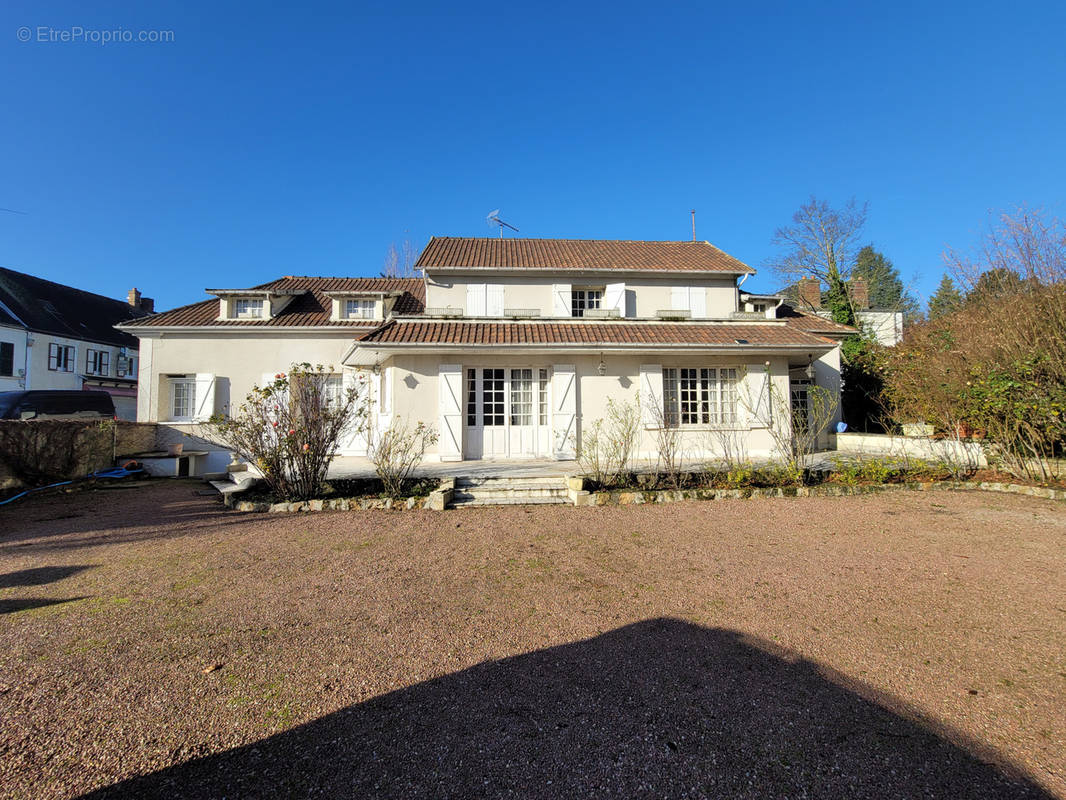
point(457, 502)
point(239, 482)
point(511, 482)
point(499, 494)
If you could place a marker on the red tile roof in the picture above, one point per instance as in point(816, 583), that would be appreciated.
point(311, 309)
point(589, 333)
point(577, 254)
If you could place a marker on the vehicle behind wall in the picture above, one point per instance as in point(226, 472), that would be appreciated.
point(56, 404)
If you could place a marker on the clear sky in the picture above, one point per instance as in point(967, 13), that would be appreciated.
point(267, 140)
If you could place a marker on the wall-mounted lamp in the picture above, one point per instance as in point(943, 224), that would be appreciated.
point(601, 368)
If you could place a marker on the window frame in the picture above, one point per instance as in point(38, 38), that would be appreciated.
point(701, 397)
point(174, 383)
point(361, 303)
point(97, 362)
point(8, 358)
point(257, 302)
point(582, 300)
point(62, 356)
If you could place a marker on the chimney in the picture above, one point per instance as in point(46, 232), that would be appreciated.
point(860, 294)
point(810, 293)
point(145, 304)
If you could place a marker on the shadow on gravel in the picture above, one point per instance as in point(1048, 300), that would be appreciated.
point(661, 708)
point(11, 605)
point(38, 576)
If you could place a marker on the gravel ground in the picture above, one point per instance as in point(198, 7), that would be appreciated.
point(897, 645)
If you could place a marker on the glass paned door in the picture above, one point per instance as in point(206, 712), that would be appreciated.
point(494, 411)
point(523, 434)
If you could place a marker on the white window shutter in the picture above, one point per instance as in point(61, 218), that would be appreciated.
point(494, 300)
point(475, 299)
point(651, 394)
point(679, 298)
point(697, 301)
point(758, 400)
point(561, 300)
point(205, 396)
point(564, 411)
point(615, 297)
point(450, 402)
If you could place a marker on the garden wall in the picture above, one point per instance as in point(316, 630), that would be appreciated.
point(883, 444)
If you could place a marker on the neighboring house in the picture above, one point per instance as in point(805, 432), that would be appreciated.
point(56, 337)
point(884, 325)
point(511, 348)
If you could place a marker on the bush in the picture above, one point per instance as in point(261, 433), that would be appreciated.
point(608, 444)
point(396, 451)
point(290, 429)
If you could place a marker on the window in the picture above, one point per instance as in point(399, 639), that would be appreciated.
point(182, 398)
point(759, 308)
point(248, 309)
point(801, 407)
point(492, 397)
point(471, 397)
point(7, 359)
point(699, 396)
point(583, 299)
point(521, 397)
point(543, 397)
point(333, 389)
point(359, 309)
point(126, 367)
point(97, 362)
point(60, 358)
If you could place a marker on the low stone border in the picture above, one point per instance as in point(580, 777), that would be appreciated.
point(439, 499)
point(622, 498)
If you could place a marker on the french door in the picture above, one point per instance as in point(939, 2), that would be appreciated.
point(506, 412)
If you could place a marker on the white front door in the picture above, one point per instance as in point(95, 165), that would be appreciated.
point(506, 412)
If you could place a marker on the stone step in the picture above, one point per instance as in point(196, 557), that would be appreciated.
point(241, 483)
point(510, 501)
point(497, 494)
point(512, 482)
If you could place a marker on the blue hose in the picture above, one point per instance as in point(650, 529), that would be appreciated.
point(116, 472)
point(28, 491)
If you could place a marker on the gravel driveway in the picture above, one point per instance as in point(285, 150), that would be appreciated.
point(897, 645)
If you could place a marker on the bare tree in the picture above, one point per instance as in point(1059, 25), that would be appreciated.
point(609, 443)
point(821, 243)
point(400, 261)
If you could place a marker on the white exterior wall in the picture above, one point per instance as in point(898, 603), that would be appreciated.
point(886, 327)
point(17, 337)
point(644, 295)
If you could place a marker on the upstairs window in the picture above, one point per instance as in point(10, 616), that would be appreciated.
point(248, 309)
point(126, 367)
point(97, 362)
point(759, 308)
point(60, 358)
point(582, 298)
point(358, 309)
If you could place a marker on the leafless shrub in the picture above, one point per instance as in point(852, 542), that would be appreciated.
point(397, 450)
point(669, 449)
point(608, 444)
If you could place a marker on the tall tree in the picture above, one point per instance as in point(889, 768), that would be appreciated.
point(399, 262)
point(886, 289)
point(822, 243)
point(946, 299)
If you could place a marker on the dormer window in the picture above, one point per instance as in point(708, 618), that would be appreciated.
point(759, 308)
point(583, 298)
point(359, 309)
point(248, 309)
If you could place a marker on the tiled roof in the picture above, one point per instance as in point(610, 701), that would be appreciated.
point(589, 333)
point(577, 254)
point(310, 309)
point(806, 321)
point(62, 310)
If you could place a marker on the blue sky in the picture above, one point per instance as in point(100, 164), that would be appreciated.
point(267, 140)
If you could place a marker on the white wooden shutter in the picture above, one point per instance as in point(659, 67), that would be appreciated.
point(615, 297)
point(758, 399)
point(475, 299)
point(353, 440)
point(697, 301)
point(564, 411)
point(205, 396)
point(494, 300)
point(651, 394)
point(679, 298)
point(561, 300)
point(450, 402)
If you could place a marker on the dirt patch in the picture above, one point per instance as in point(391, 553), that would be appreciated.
point(904, 644)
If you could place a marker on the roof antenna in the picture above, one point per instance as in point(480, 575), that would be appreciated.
point(693, 224)
point(493, 218)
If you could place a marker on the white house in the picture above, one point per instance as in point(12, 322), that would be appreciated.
point(57, 337)
point(510, 347)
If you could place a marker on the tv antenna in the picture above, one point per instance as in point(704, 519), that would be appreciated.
point(493, 218)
